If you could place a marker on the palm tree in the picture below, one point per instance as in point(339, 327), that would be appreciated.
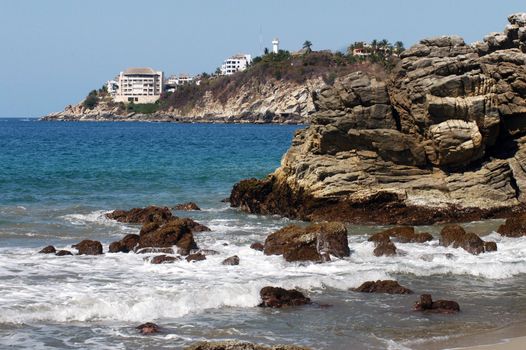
point(374, 45)
point(307, 46)
point(399, 46)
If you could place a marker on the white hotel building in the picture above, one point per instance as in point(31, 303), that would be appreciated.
point(139, 85)
point(235, 63)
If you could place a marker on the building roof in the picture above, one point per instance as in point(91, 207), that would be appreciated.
point(140, 70)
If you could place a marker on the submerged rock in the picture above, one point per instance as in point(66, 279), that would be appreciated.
point(385, 248)
point(88, 247)
point(63, 253)
point(141, 215)
point(515, 226)
point(235, 345)
point(440, 139)
point(407, 234)
point(233, 260)
point(457, 237)
point(164, 259)
point(196, 257)
point(309, 243)
point(387, 286)
point(440, 306)
point(151, 250)
point(148, 328)
point(48, 250)
point(257, 246)
point(125, 245)
point(277, 297)
point(187, 206)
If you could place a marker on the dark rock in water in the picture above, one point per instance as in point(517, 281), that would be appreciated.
point(88, 247)
point(125, 245)
point(225, 200)
point(164, 259)
point(195, 257)
point(457, 237)
point(309, 243)
point(235, 345)
point(404, 234)
point(63, 253)
point(141, 215)
point(385, 249)
point(379, 237)
point(207, 252)
point(173, 232)
point(514, 226)
point(387, 286)
point(187, 206)
point(490, 246)
point(148, 328)
point(440, 306)
point(257, 246)
point(48, 250)
point(155, 250)
point(277, 297)
point(233, 260)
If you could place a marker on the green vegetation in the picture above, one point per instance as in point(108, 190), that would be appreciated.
point(92, 100)
point(143, 108)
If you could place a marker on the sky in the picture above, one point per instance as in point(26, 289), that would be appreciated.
point(55, 51)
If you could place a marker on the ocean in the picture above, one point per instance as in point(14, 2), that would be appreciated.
point(58, 179)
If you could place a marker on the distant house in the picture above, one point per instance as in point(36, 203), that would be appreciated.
point(235, 63)
point(174, 81)
point(139, 85)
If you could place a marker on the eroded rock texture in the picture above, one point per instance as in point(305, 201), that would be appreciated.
point(442, 139)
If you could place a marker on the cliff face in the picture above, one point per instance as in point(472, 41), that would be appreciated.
point(441, 140)
point(273, 102)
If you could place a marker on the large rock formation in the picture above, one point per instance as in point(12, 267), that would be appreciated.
point(442, 139)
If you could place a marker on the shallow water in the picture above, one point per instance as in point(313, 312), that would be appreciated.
point(58, 179)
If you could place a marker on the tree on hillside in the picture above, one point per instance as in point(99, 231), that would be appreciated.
point(266, 51)
point(399, 46)
point(307, 46)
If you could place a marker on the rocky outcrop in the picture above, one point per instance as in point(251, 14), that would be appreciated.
point(125, 245)
point(442, 139)
point(404, 234)
point(196, 257)
point(426, 303)
point(235, 345)
point(514, 226)
point(257, 246)
point(282, 102)
point(173, 232)
point(164, 259)
point(457, 237)
point(387, 286)
point(315, 242)
point(187, 206)
point(277, 297)
point(88, 247)
point(48, 250)
point(148, 328)
point(63, 253)
point(233, 260)
point(385, 248)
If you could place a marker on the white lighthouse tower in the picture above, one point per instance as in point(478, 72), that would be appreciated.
point(275, 45)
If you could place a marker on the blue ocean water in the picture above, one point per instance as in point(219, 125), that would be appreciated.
point(58, 179)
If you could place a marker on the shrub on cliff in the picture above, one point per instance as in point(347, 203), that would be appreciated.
point(92, 100)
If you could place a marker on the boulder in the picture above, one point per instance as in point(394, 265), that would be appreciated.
point(88, 247)
point(148, 328)
point(235, 345)
point(195, 257)
point(440, 306)
point(309, 243)
point(48, 250)
point(457, 237)
point(514, 226)
point(276, 297)
point(187, 206)
point(194, 225)
point(233, 260)
point(141, 215)
point(164, 259)
point(385, 249)
point(125, 245)
point(387, 286)
point(63, 253)
point(257, 246)
point(173, 232)
point(403, 234)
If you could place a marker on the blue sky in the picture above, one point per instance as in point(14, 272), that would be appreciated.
point(55, 51)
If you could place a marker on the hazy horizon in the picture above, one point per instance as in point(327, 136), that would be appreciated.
point(57, 51)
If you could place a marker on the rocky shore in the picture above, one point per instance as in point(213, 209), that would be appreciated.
point(274, 102)
point(442, 139)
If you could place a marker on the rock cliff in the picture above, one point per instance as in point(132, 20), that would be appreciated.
point(442, 139)
point(272, 102)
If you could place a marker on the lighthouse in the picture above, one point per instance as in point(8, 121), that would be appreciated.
point(275, 45)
